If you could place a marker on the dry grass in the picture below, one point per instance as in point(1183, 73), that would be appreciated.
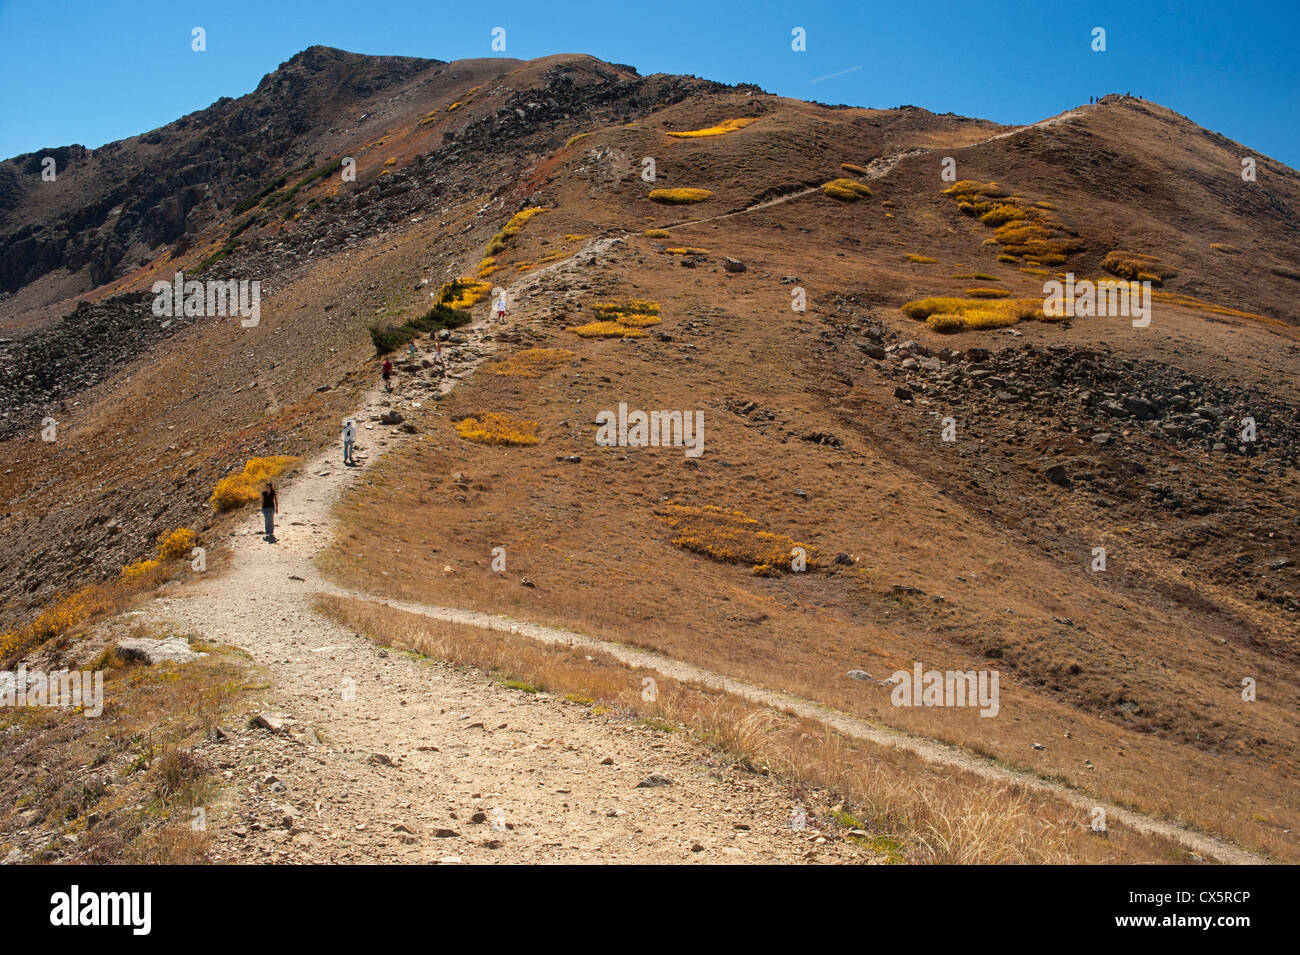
point(987, 292)
point(680, 196)
point(920, 259)
point(246, 487)
point(845, 190)
point(531, 363)
point(853, 168)
point(733, 537)
point(495, 428)
point(656, 233)
point(687, 250)
point(151, 719)
point(921, 814)
point(573, 139)
point(721, 129)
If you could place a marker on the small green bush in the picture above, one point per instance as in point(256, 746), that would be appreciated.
point(390, 337)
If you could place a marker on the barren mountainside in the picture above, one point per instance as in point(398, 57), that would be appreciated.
point(853, 300)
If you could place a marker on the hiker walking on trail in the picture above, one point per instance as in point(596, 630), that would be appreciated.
point(270, 507)
point(410, 350)
point(437, 356)
point(349, 440)
point(388, 374)
point(501, 306)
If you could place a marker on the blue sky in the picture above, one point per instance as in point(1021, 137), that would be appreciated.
point(77, 71)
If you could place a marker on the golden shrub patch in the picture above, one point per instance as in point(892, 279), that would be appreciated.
point(606, 330)
point(959, 314)
point(531, 363)
point(845, 190)
point(495, 428)
point(724, 127)
point(678, 197)
point(732, 537)
point(177, 545)
point(236, 490)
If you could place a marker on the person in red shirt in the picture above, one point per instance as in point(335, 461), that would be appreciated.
point(388, 374)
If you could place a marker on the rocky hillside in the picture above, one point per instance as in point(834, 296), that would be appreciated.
point(808, 279)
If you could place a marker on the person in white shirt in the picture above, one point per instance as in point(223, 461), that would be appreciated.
point(349, 440)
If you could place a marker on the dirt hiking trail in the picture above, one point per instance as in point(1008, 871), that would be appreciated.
point(429, 763)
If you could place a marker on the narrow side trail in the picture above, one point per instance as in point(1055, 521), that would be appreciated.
point(377, 756)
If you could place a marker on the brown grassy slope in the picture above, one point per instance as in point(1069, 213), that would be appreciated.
point(1008, 556)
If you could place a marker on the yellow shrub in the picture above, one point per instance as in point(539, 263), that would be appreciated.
point(922, 259)
point(531, 363)
point(855, 169)
point(678, 197)
point(687, 250)
point(846, 190)
point(236, 490)
point(463, 293)
point(656, 233)
point(65, 614)
point(177, 544)
point(944, 322)
point(138, 569)
point(987, 292)
point(453, 107)
point(970, 188)
point(573, 139)
point(511, 228)
point(1003, 257)
point(640, 306)
point(392, 161)
point(733, 537)
point(726, 126)
point(494, 428)
point(1002, 213)
point(606, 330)
point(575, 237)
point(974, 312)
point(1225, 247)
point(429, 117)
point(1137, 265)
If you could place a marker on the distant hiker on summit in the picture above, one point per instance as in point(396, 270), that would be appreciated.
point(388, 374)
point(270, 507)
point(349, 440)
